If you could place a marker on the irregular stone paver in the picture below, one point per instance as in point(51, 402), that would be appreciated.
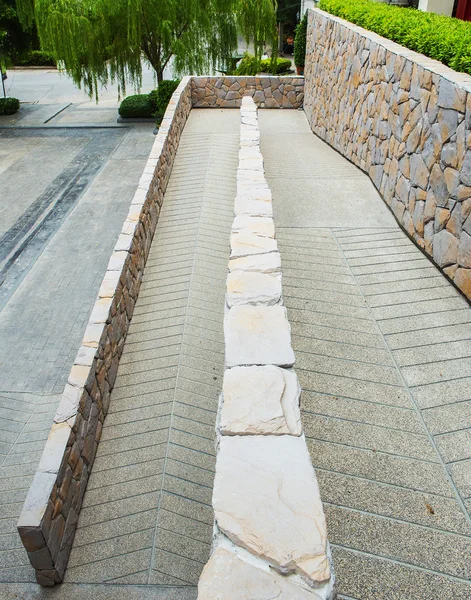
point(228, 577)
point(266, 500)
point(381, 342)
point(253, 288)
point(256, 335)
point(260, 400)
point(261, 263)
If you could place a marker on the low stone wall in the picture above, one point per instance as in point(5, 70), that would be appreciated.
point(406, 121)
point(270, 533)
point(50, 513)
point(267, 91)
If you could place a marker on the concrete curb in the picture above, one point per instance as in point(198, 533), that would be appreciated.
point(270, 532)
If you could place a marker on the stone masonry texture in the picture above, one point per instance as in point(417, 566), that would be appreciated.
point(406, 121)
point(266, 91)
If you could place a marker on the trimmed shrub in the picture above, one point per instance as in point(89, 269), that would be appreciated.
point(134, 107)
point(160, 97)
point(300, 42)
point(280, 65)
point(249, 65)
point(36, 58)
point(437, 36)
point(9, 106)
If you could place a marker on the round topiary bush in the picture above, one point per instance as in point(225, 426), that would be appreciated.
point(135, 107)
point(9, 106)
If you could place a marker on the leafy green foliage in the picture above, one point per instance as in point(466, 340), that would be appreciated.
point(279, 65)
point(300, 43)
point(14, 41)
point(9, 106)
point(36, 58)
point(138, 106)
point(250, 65)
point(439, 37)
point(102, 40)
point(160, 97)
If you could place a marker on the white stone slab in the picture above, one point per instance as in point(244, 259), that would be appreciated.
point(260, 401)
point(262, 263)
point(256, 289)
point(258, 335)
point(244, 243)
point(228, 577)
point(253, 207)
point(264, 226)
point(266, 499)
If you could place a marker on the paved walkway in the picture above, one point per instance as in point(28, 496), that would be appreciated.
point(383, 354)
point(147, 517)
point(64, 195)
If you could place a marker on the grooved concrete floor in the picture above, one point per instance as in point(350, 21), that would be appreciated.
point(383, 354)
point(147, 517)
point(76, 203)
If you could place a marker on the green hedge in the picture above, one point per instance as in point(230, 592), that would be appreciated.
point(442, 38)
point(36, 58)
point(146, 106)
point(134, 107)
point(9, 106)
point(300, 43)
point(160, 97)
point(249, 65)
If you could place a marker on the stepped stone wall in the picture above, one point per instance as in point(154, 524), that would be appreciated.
point(405, 120)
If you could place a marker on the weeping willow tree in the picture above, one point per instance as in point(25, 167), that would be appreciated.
point(102, 40)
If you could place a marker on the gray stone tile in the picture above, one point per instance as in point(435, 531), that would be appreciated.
point(426, 547)
point(454, 446)
point(377, 466)
point(406, 505)
point(368, 436)
point(435, 372)
point(371, 578)
point(444, 392)
point(366, 412)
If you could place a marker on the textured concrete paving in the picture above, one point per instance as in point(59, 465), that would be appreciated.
point(64, 195)
point(383, 354)
point(147, 517)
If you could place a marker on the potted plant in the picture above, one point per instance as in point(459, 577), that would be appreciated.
point(300, 45)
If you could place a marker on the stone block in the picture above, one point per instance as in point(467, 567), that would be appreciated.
point(266, 499)
point(445, 248)
point(260, 401)
point(257, 335)
point(263, 226)
point(227, 576)
point(245, 243)
point(256, 289)
point(262, 263)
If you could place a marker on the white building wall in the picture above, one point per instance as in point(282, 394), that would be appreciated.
point(305, 4)
point(441, 7)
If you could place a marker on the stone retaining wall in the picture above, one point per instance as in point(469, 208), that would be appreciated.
point(267, 91)
point(270, 533)
point(50, 513)
point(406, 121)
